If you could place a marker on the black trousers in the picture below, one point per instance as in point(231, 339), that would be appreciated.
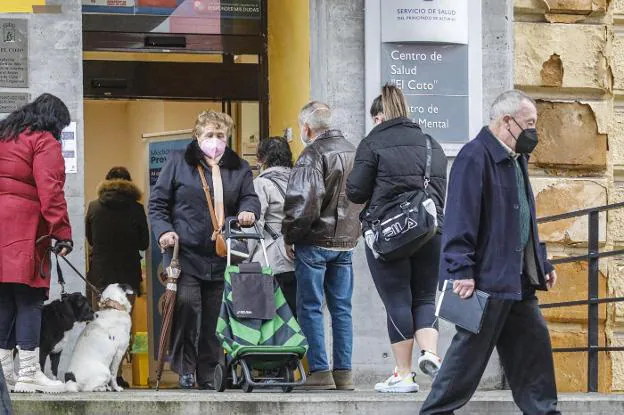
point(288, 284)
point(194, 344)
point(518, 331)
point(20, 316)
point(407, 288)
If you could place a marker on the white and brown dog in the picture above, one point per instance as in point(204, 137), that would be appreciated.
point(102, 344)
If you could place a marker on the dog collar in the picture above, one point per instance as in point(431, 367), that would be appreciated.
point(110, 304)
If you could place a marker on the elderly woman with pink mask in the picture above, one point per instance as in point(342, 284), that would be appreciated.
point(178, 210)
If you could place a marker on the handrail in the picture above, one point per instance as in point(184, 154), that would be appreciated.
point(593, 296)
point(581, 212)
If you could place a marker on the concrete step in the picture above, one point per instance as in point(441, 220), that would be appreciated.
point(266, 402)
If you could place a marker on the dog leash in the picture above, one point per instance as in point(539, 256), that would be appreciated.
point(59, 271)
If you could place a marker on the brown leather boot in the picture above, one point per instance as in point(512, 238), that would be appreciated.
point(344, 380)
point(319, 381)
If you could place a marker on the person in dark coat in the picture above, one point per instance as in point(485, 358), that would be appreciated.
point(390, 162)
point(178, 210)
point(34, 212)
point(116, 228)
point(491, 243)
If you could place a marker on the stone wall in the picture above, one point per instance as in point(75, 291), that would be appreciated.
point(564, 57)
point(616, 220)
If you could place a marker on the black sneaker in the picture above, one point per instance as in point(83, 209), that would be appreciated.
point(207, 386)
point(187, 381)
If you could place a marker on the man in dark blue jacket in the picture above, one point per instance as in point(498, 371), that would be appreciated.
point(5, 399)
point(491, 243)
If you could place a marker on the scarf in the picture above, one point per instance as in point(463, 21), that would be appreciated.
point(217, 189)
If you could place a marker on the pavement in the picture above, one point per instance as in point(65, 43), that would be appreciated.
point(150, 402)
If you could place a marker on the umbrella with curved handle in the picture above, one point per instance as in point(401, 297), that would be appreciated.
point(173, 273)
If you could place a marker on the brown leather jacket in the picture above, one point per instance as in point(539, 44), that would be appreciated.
point(317, 211)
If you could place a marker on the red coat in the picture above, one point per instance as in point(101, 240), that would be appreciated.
point(32, 204)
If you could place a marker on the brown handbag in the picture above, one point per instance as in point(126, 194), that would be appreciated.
point(217, 234)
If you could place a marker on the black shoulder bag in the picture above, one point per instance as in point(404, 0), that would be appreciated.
point(403, 226)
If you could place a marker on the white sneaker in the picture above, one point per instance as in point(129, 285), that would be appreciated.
point(6, 359)
point(398, 384)
point(429, 363)
point(31, 379)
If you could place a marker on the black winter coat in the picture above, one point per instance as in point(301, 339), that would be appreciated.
point(482, 240)
point(391, 160)
point(116, 228)
point(178, 203)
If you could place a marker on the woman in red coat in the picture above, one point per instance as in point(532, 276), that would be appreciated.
point(32, 176)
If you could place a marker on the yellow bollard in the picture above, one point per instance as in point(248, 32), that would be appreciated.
point(306, 367)
point(139, 351)
point(140, 360)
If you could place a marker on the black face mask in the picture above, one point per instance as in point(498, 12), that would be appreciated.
point(527, 141)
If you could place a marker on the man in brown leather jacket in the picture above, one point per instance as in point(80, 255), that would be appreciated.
point(324, 228)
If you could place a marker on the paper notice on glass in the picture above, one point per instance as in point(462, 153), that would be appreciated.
point(109, 3)
point(69, 148)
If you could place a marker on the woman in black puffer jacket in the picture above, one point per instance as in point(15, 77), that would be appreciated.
point(391, 161)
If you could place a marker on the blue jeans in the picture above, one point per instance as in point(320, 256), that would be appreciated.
point(5, 399)
point(320, 270)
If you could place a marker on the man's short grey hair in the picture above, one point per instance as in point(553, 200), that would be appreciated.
point(317, 115)
point(509, 103)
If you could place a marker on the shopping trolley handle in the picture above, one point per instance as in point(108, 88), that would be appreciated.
point(231, 233)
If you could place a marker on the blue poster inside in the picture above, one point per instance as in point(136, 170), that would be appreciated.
point(158, 154)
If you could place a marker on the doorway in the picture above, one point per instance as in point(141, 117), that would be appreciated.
point(140, 88)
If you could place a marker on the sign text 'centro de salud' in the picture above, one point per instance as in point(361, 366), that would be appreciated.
point(424, 51)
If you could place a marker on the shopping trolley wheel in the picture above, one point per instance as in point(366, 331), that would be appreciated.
point(288, 376)
point(247, 387)
point(220, 378)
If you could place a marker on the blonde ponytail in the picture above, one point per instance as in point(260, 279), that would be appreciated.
point(393, 102)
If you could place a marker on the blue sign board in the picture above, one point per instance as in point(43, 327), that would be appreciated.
point(158, 155)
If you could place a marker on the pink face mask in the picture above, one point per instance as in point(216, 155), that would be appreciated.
point(212, 147)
